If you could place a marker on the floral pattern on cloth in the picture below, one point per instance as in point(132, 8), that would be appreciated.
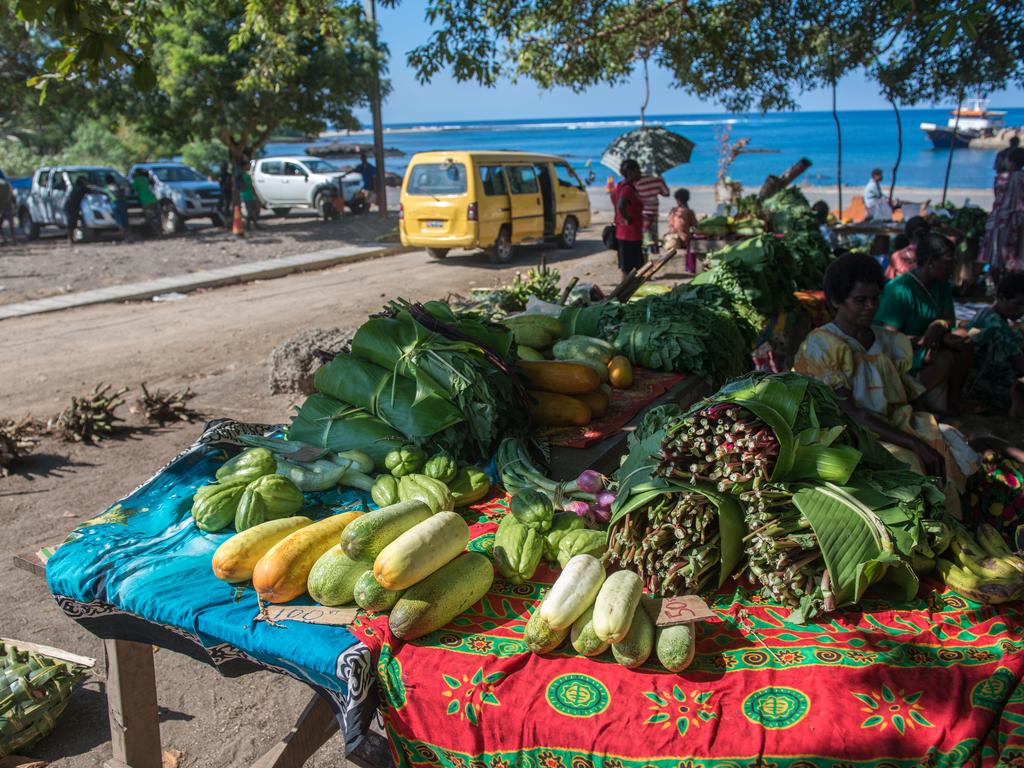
point(995, 495)
point(880, 381)
point(992, 374)
point(934, 682)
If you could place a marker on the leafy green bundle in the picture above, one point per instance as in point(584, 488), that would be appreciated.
point(758, 276)
point(689, 329)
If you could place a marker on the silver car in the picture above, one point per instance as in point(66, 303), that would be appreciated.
point(44, 204)
point(283, 183)
point(183, 193)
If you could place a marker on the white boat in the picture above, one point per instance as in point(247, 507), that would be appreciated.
point(975, 121)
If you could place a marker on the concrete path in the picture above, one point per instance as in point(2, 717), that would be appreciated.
point(259, 270)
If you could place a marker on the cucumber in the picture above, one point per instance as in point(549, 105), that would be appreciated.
point(573, 592)
point(675, 646)
point(372, 597)
point(584, 639)
point(421, 550)
point(528, 353)
point(583, 348)
point(375, 530)
point(540, 637)
point(333, 577)
point(441, 596)
point(615, 605)
point(635, 648)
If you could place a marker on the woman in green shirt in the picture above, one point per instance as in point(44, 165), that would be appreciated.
point(919, 304)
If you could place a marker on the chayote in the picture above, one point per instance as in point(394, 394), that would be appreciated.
point(431, 492)
point(517, 550)
point(385, 490)
point(247, 466)
point(469, 486)
point(404, 461)
point(583, 542)
point(561, 524)
point(269, 498)
point(533, 509)
point(441, 467)
point(214, 506)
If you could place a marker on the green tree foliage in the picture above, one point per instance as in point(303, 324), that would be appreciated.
point(214, 84)
point(205, 156)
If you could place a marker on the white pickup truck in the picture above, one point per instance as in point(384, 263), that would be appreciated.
point(44, 204)
point(283, 183)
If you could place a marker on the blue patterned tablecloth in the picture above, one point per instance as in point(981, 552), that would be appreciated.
point(141, 571)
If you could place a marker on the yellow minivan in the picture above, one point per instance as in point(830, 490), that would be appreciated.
point(490, 200)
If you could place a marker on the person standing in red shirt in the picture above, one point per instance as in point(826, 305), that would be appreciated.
point(629, 218)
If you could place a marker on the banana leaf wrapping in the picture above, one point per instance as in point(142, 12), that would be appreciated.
point(329, 423)
point(34, 692)
point(392, 398)
point(408, 382)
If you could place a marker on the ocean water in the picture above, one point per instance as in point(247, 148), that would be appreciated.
point(780, 139)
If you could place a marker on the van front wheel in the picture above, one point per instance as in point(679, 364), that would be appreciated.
point(569, 229)
point(437, 253)
point(501, 251)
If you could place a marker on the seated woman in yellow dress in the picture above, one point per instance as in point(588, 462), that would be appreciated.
point(869, 368)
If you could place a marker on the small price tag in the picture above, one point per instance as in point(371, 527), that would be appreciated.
point(680, 610)
point(307, 614)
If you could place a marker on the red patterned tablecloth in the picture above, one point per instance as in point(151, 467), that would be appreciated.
point(936, 682)
point(647, 387)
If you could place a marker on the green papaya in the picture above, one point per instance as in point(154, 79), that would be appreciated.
point(214, 506)
point(270, 497)
point(246, 467)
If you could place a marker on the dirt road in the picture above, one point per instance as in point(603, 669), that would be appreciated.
point(218, 343)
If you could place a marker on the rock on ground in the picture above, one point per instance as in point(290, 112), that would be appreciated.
point(293, 363)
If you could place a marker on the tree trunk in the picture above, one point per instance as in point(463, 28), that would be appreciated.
point(952, 144)
point(899, 147)
point(839, 148)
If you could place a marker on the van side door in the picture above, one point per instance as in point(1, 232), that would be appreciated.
point(570, 195)
point(527, 207)
point(493, 206)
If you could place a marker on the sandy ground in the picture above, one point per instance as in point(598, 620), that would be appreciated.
point(218, 343)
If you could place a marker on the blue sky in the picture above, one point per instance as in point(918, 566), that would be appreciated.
point(445, 100)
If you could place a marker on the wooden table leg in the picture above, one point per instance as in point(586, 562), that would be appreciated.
point(131, 704)
point(315, 726)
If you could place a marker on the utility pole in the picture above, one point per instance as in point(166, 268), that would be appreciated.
point(378, 128)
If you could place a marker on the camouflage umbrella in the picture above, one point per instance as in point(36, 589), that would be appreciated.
point(656, 149)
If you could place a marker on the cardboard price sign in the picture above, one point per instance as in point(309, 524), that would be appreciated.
point(681, 610)
point(307, 614)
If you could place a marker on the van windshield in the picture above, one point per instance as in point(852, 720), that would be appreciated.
point(437, 179)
